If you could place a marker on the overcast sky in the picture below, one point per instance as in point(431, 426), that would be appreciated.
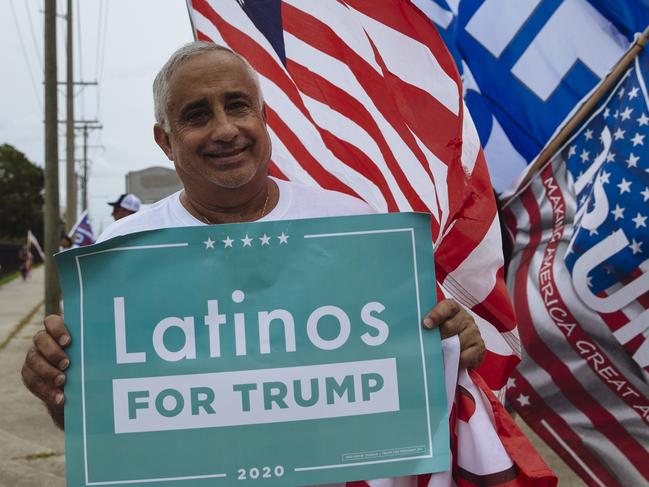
point(123, 44)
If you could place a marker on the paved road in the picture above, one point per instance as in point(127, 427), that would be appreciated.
point(31, 447)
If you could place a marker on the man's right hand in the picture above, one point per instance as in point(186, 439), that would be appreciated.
point(45, 363)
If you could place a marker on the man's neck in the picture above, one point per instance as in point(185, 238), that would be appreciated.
point(259, 205)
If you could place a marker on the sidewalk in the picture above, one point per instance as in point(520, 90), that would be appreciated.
point(31, 447)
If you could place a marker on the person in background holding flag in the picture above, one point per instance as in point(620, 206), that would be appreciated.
point(126, 205)
point(26, 261)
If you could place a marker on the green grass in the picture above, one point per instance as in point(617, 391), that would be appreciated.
point(9, 277)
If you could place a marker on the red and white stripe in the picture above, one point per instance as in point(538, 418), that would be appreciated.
point(369, 103)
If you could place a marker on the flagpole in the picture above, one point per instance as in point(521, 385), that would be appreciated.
point(191, 19)
point(580, 115)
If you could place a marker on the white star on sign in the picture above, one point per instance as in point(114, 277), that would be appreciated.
point(584, 155)
point(639, 221)
point(633, 93)
point(610, 157)
point(604, 177)
point(618, 212)
point(619, 134)
point(638, 139)
point(265, 240)
point(247, 241)
point(626, 114)
point(635, 246)
point(645, 194)
point(632, 161)
point(511, 382)
point(283, 238)
point(624, 186)
point(227, 242)
point(523, 400)
point(209, 243)
point(621, 93)
point(607, 112)
point(643, 120)
point(588, 134)
point(572, 151)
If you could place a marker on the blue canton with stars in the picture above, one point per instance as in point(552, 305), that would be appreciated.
point(624, 175)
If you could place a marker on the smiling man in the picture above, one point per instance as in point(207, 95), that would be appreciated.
point(211, 122)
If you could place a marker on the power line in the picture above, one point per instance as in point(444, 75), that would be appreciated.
point(101, 43)
point(83, 110)
point(31, 29)
point(22, 46)
point(101, 9)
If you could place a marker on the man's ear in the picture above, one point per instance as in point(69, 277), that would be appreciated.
point(162, 139)
point(264, 115)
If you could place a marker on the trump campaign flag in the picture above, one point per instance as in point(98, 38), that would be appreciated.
point(580, 284)
point(527, 63)
point(81, 233)
point(362, 97)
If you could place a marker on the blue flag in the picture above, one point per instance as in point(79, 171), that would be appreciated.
point(526, 64)
point(81, 233)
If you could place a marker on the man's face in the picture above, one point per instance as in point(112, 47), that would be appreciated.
point(217, 137)
point(119, 212)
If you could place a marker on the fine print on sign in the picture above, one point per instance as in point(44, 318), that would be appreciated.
point(275, 353)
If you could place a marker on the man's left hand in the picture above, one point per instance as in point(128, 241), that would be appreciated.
point(452, 319)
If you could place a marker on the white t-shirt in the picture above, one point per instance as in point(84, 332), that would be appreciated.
point(296, 201)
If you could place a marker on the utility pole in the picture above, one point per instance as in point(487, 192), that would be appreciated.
point(71, 178)
point(51, 240)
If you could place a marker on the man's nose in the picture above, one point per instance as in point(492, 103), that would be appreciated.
point(223, 128)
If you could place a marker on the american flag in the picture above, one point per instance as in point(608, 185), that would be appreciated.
point(363, 98)
point(581, 291)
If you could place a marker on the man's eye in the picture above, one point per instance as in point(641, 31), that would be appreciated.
point(238, 105)
point(196, 116)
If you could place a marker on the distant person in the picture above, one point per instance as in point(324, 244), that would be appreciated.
point(126, 205)
point(65, 242)
point(26, 261)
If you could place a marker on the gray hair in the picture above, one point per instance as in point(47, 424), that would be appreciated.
point(184, 53)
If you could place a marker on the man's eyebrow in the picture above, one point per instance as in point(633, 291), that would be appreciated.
point(232, 95)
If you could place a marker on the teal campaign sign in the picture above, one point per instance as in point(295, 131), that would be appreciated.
point(278, 353)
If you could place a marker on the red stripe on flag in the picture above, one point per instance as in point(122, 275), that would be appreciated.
point(496, 369)
point(275, 171)
point(492, 309)
point(473, 221)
